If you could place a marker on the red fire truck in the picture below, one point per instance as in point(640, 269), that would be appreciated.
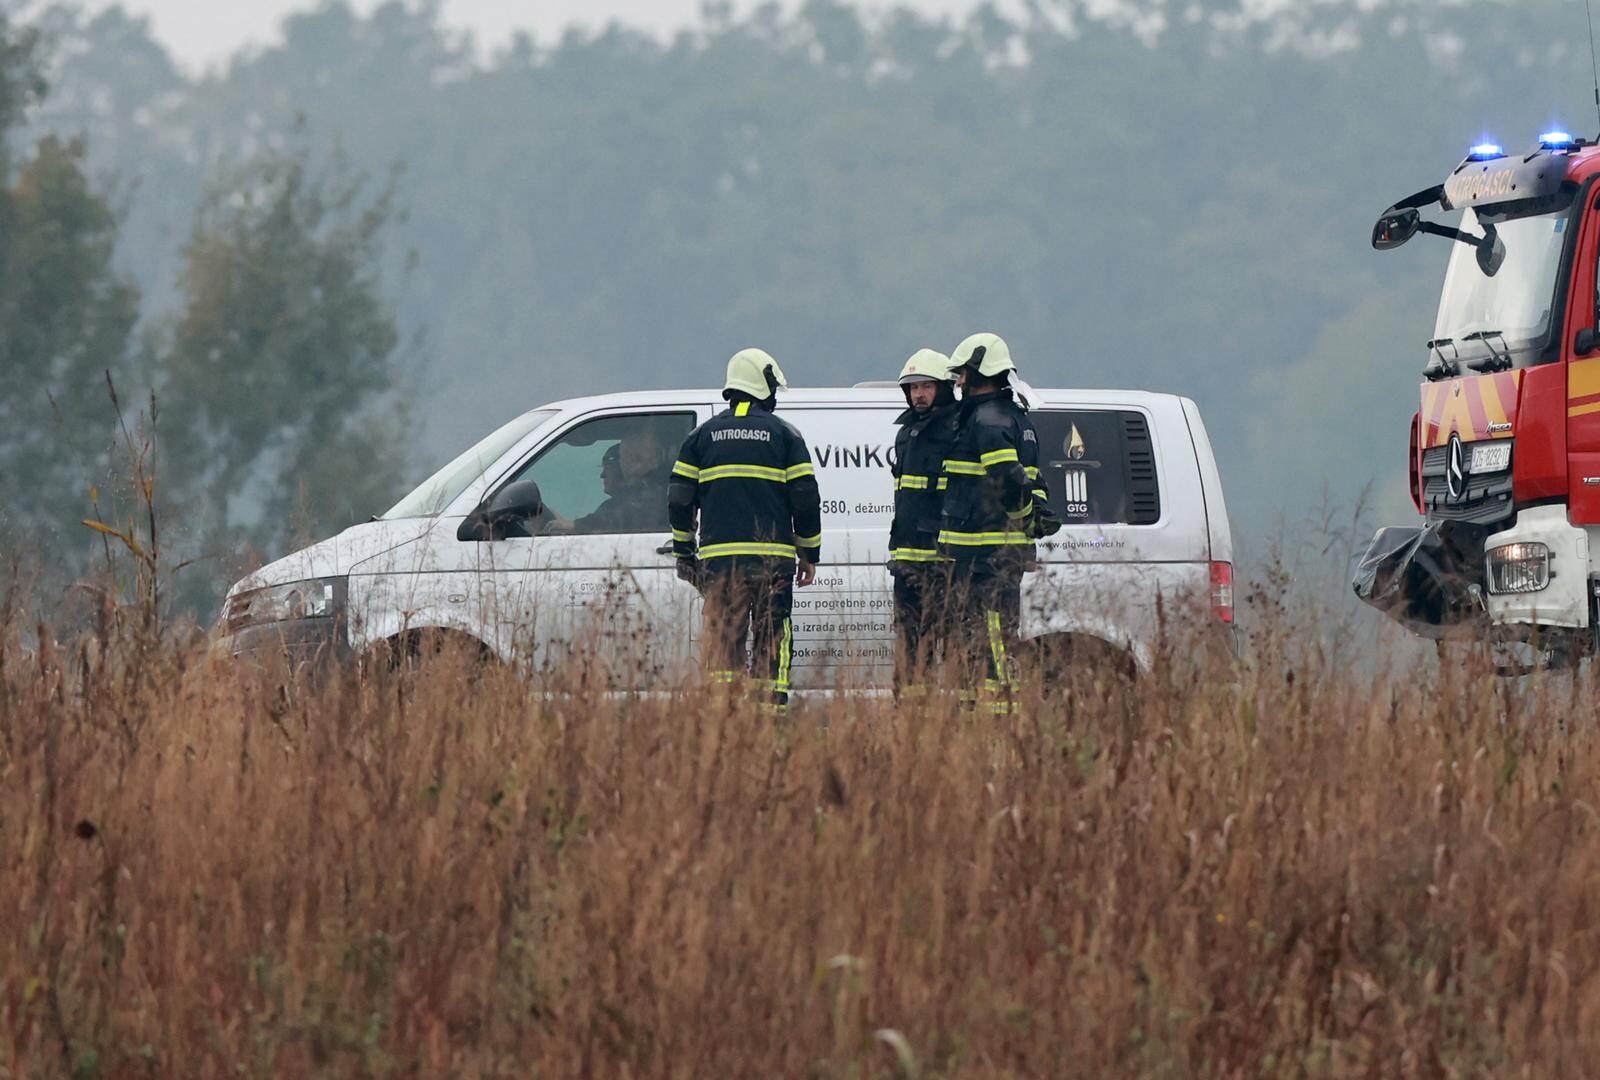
point(1505, 447)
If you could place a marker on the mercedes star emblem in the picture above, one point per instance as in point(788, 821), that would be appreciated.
point(1455, 469)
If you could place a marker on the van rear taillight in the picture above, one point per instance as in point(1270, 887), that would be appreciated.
point(1222, 591)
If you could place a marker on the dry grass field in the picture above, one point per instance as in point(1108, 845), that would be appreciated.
point(1299, 867)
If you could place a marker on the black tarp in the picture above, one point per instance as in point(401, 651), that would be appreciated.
point(1426, 578)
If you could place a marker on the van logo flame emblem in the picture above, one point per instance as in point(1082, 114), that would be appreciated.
point(1455, 469)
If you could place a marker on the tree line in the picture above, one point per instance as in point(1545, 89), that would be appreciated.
point(253, 412)
point(1176, 197)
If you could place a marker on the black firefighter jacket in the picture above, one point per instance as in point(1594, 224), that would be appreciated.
point(920, 449)
point(993, 486)
point(748, 476)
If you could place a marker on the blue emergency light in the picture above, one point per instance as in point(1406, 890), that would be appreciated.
point(1557, 140)
point(1487, 151)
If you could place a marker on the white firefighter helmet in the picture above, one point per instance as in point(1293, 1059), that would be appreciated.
point(986, 354)
point(925, 364)
point(754, 372)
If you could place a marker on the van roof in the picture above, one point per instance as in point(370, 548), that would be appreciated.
point(850, 395)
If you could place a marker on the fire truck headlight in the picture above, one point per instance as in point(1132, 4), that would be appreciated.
point(1519, 568)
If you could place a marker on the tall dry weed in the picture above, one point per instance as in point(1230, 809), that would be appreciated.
point(1297, 867)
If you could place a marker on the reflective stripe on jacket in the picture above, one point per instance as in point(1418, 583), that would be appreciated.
point(745, 478)
point(993, 477)
point(920, 448)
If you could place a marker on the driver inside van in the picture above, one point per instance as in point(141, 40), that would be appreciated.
point(632, 473)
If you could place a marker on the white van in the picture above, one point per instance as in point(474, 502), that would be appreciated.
point(1131, 475)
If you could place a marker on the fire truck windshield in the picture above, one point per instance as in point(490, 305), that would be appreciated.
point(1515, 303)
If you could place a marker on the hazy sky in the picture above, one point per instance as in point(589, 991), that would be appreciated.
point(201, 32)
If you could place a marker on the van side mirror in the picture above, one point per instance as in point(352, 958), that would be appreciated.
point(1395, 228)
point(1587, 342)
point(502, 515)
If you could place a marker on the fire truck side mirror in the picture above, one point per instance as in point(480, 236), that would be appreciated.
point(1587, 342)
point(1491, 252)
point(1395, 228)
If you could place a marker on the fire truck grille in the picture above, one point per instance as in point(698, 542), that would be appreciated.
point(1484, 500)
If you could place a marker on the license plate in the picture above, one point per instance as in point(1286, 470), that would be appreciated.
point(1490, 458)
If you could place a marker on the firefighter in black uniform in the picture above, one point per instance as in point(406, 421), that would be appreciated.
point(749, 478)
point(921, 575)
point(995, 506)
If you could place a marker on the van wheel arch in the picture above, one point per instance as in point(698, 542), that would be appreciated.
point(412, 647)
point(1053, 657)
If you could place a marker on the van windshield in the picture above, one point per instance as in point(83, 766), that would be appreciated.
point(440, 490)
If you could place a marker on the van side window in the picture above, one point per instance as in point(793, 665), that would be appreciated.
point(609, 475)
point(1099, 465)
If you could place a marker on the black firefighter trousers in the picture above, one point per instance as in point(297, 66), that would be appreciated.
point(922, 615)
point(989, 599)
point(748, 597)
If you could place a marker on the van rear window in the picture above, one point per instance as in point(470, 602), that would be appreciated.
point(1099, 465)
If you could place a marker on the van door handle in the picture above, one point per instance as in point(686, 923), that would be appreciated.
point(665, 549)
